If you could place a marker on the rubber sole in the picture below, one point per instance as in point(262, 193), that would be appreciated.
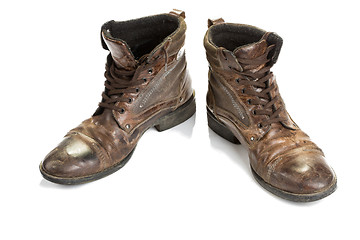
point(178, 116)
point(220, 129)
point(168, 121)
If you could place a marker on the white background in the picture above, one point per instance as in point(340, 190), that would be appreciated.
point(184, 183)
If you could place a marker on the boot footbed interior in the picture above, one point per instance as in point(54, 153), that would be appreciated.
point(232, 36)
point(144, 34)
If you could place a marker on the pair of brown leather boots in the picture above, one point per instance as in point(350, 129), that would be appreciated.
point(148, 85)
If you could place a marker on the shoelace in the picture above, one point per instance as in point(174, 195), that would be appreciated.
point(260, 81)
point(120, 81)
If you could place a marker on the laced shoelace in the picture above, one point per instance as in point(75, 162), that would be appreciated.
point(259, 80)
point(120, 81)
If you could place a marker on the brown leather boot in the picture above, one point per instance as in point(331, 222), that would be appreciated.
point(244, 106)
point(147, 85)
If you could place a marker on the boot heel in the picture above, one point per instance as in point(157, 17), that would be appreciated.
point(221, 129)
point(178, 116)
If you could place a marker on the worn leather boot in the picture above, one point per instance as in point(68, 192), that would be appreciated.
point(147, 85)
point(244, 106)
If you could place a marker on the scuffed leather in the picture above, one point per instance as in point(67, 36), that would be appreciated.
point(74, 156)
point(289, 160)
point(107, 138)
point(281, 154)
point(120, 52)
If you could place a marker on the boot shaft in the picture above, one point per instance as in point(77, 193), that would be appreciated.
point(150, 52)
point(225, 43)
point(129, 41)
point(240, 57)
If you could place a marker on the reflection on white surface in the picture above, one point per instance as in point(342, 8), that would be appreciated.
point(47, 184)
point(235, 152)
point(186, 128)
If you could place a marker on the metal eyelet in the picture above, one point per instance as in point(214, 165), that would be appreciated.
point(260, 125)
point(150, 71)
point(144, 79)
point(127, 126)
point(243, 90)
point(237, 80)
point(249, 101)
point(130, 100)
point(122, 111)
point(252, 139)
point(137, 89)
point(254, 112)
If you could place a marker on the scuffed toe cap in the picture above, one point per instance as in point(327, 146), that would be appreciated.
point(72, 158)
point(306, 173)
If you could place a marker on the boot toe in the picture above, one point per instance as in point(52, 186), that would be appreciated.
point(305, 174)
point(72, 158)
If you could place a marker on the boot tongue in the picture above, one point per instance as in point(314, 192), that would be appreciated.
point(120, 51)
point(252, 51)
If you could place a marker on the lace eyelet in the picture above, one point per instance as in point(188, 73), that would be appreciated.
point(137, 89)
point(249, 101)
point(243, 90)
point(127, 126)
point(252, 139)
point(150, 71)
point(130, 100)
point(144, 79)
point(122, 111)
point(260, 125)
point(237, 80)
point(254, 112)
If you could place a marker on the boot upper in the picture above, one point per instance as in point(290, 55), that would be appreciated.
point(146, 78)
point(243, 94)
